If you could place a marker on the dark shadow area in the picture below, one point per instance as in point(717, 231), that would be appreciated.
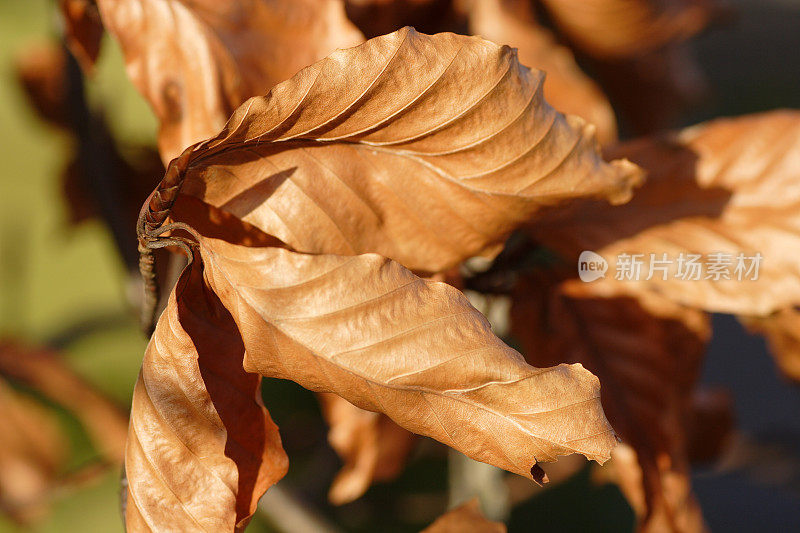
point(215, 223)
point(253, 197)
point(751, 61)
point(765, 403)
point(577, 505)
point(379, 18)
point(232, 390)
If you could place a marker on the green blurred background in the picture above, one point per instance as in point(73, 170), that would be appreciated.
point(55, 279)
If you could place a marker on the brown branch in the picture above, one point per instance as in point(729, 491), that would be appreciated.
point(154, 213)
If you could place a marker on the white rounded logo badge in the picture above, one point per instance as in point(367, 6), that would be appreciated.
point(591, 266)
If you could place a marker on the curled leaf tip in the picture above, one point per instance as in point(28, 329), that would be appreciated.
point(633, 177)
point(160, 202)
point(538, 474)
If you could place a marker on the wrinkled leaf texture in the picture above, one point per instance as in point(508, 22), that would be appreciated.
point(362, 327)
point(380, 148)
point(201, 448)
point(397, 147)
point(566, 87)
point(372, 332)
point(729, 185)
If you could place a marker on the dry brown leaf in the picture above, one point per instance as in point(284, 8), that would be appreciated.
point(45, 372)
point(425, 149)
point(362, 327)
point(372, 332)
point(725, 186)
point(678, 511)
point(708, 426)
point(637, 49)
point(627, 28)
point(83, 31)
point(41, 71)
point(566, 87)
point(466, 518)
point(647, 355)
point(782, 331)
point(201, 447)
point(372, 447)
point(196, 61)
point(32, 451)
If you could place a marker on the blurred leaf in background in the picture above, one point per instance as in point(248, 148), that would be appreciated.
point(63, 285)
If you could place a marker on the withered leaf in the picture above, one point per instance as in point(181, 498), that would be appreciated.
point(466, 518)
point(83, 31)
point(425, 149)
point(727, 186)
point(372, 447)
point(196, 61)
point(201, 447)
point(647, 355)
point(44, 370)
point(625, 28)
point(637, 49)
point(566, 87)
point(41, 71)
point(372, 332)
point(677, 510)
point(32, 451)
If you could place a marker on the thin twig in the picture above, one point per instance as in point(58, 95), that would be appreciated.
point(288, 514)
point(469, 479)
